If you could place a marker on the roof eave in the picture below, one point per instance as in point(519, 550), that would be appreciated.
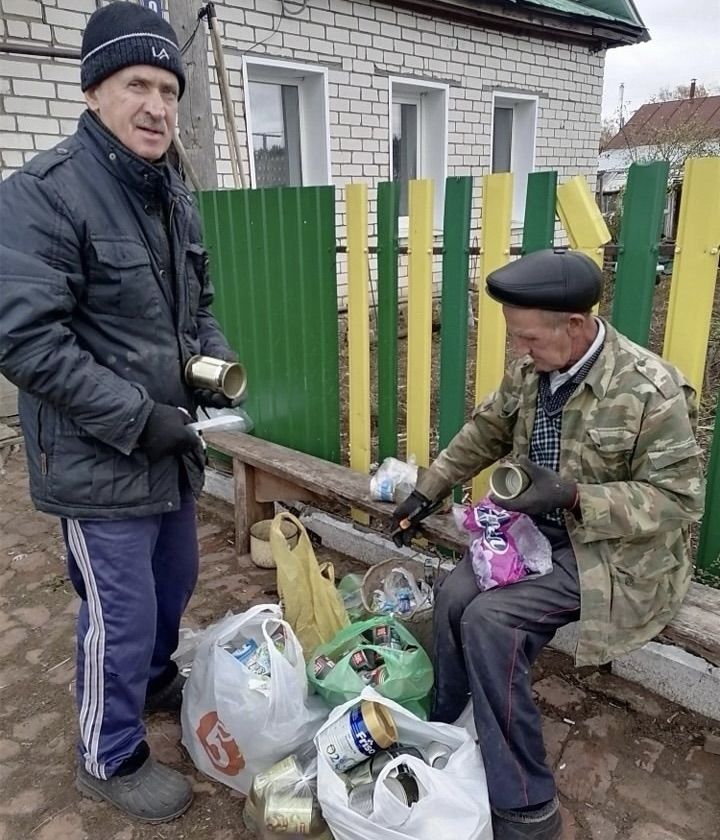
point(545, 22)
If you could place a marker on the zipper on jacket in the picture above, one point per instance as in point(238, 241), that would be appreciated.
point(43, 454)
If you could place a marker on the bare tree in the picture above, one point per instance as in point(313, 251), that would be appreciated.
point(608, 129)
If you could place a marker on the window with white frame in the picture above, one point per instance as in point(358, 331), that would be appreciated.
point(513, 142)
point(418, 140)
point(286, 112)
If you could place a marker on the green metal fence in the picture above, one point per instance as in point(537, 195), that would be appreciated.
point(272, 258)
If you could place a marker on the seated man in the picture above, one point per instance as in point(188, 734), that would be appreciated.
point(604, 430)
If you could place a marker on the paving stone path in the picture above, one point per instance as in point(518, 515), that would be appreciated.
point(629, 765)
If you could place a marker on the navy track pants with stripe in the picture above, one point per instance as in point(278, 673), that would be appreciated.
point(135, 578)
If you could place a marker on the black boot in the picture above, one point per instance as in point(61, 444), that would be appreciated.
point(543, 823)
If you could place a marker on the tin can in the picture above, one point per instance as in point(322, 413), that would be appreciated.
point(287, 813)
point(437, 755)
point(226, 378)
point(378, 675)
point(386, 636)
point(362, 659)
point(508, 481)
point(360, 798)
point(322, 665)
point(284, 773)
point(360, 733)
point(404, 786)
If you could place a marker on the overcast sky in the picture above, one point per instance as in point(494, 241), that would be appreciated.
point(685, 44)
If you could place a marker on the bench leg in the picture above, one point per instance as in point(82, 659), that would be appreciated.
point(247, 509)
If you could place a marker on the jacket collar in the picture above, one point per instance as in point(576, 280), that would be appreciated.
point(146, 178)
point(600, 374)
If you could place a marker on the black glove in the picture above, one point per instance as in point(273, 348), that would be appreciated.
point(205, 398)
point(546, 492)
point(166, 433)
point(403, 514)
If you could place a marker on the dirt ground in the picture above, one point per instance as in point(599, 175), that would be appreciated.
point(629, 765)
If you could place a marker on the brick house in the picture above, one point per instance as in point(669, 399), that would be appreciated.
point(673, 131)
point(332, 90)
point(327, 91)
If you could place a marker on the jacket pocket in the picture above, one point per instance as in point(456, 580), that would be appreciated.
point(608, 453)
point(643, 589)
point(196, 272)
point(84, 471)
point(121, 280)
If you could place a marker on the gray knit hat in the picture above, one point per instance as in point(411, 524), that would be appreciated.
point(123, 34)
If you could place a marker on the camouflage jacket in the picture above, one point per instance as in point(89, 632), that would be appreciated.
point(627, 439)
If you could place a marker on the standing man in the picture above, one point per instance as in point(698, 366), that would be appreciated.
point(105, 296)
point(604, 430)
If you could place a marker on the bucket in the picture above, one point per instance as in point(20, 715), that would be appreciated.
point(420, 621)
point(260, 552)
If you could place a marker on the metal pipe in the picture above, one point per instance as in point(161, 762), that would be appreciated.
point(43, 52)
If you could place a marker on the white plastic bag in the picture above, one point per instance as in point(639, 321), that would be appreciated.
point(235, 723)
point(454, 802)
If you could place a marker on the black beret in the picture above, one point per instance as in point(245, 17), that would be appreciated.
point(559, 281)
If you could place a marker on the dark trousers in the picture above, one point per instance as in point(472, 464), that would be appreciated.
point(135, 578)
point(485, 645)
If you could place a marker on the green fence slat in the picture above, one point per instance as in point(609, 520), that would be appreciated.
point(388, 201)
point(273, 264)
point(539, 222)
point(708, 556)
point(643, 208)
point(454, 313)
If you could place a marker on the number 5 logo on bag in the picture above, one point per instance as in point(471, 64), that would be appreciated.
point(219, 745)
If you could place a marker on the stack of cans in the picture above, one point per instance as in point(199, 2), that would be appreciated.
point(365, 659)
point(256, 657)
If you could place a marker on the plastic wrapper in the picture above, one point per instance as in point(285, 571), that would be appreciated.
point(223, 419)
point(350, 589)
point(282, 804)
point(394, 480)
point(506, 546)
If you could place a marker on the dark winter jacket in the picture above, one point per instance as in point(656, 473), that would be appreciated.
point(104, 296)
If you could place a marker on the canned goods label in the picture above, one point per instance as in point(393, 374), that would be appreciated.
point(322, 666)
point(362, 660)
point(288, 814)
point(347, 742)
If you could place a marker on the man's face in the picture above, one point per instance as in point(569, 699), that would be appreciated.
point(550, 339)
point(138, 105)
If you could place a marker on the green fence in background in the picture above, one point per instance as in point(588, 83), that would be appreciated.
point(272, 259)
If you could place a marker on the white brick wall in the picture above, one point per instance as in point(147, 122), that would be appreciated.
point(360, 42)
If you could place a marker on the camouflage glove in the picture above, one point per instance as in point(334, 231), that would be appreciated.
point(546, 492)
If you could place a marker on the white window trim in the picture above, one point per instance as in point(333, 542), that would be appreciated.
point(259, 68)
point(410, 91)
point(506, 98)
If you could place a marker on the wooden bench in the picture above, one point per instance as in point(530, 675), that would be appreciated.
point(265, 472)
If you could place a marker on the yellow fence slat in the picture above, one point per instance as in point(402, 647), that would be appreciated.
point(581, 218)
point(356, 197)
point(496, 221)
point(419, 344)
point(695, 266)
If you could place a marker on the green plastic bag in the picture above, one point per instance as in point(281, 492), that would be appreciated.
point(350, 589)
point(409, 677)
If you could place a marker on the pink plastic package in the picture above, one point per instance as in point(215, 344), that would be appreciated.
point(506, 546)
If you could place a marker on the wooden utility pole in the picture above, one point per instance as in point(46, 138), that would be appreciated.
point(195, 122)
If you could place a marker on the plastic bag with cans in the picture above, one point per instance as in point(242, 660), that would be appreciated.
point(380, 652)
point(385, 774)
point(246, 703)
point(282, 803)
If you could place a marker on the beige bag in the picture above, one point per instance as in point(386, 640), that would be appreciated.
point(311, 604)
